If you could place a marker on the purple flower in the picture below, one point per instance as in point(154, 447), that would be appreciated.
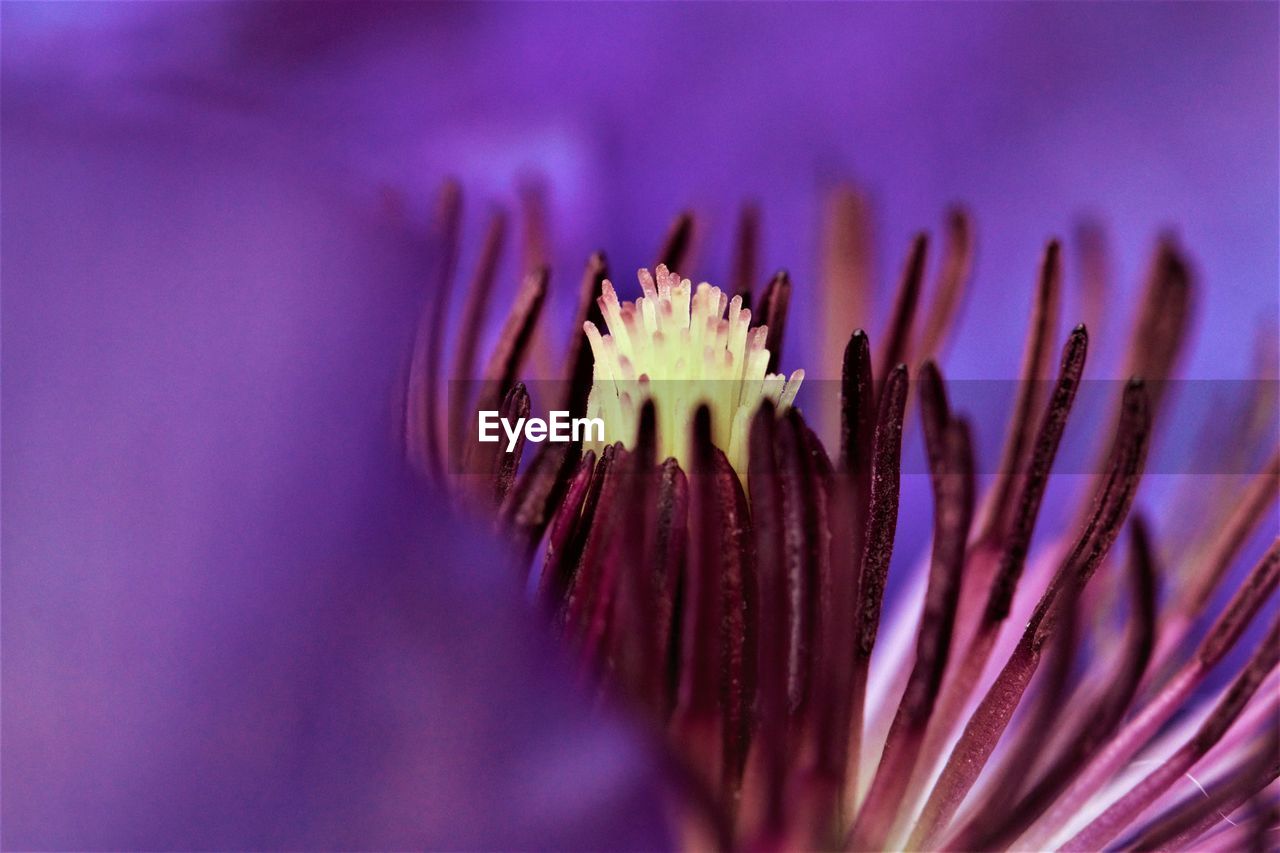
point(712, 565)
point(233, 617)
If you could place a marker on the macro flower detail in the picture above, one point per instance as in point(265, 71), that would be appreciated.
point(681, 347)
point(719, 569)
point(313, 537)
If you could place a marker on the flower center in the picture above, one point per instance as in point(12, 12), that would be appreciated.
point(677, 346)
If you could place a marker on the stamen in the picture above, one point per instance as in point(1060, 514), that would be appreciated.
point(580, 358)
point(832, 704)
point(632, 649)
point(1239, 612)
point(1093, 725)
point(897, 342)
point(1122, 812)
point(575, 511)
point(530, 505)
point(847, 280)
point(953, 280)
point(1039, 465)
point(882, 523)
point(737, 621)
point(1046, 709)
point(992, 716)
point(515, 408)
point(707, 717)
point(1012, 495)
point(666, 548)
point(473, 321)
point(535, 252)
point(1236, 616)
point(1093, 259)
point(535, 240)
point(593, 584)
point(500, 376)
point(423, 442)
point(564, 563)
point(979, 640)
point(952, 468)
point(773, 315)
point(675, 246)
point(1163, 320)
point(1031, 391)
point(857, 410)
point(1248, 512)
point(513, 341)
point(804, 546)
point(886, 460)
point(746, 253)
point(1182, 823)
point(769, 523)
point(817, 489)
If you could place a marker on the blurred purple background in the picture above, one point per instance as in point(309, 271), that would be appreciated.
point(223, 622)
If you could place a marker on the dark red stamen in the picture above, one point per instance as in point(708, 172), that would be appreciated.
point(897, 341)
point(515, 407)
point(474, 317)
point(952, 468)
point(579, 356)
point(953, 281)
point(560, 559)
point(773, 313)
point(746, 255)
point(513, 341)
point(530, 506)
point(992, 716)
point(881, 528)
point(675, 246)
point(1002, 823)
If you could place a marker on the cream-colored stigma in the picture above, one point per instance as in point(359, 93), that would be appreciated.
point(676, 346)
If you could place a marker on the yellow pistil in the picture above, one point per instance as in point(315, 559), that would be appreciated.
point(677, 346)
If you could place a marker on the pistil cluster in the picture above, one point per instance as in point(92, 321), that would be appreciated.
point(682, 348)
